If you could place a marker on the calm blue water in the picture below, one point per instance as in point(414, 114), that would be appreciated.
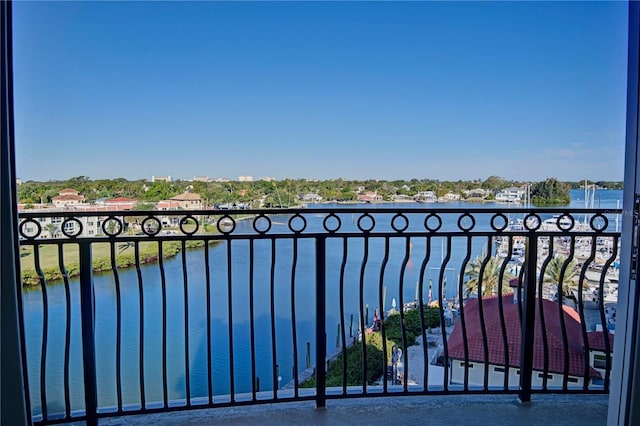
point(373, 280)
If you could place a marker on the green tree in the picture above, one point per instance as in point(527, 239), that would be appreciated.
point(52, 229)
point(550, 192)
point(495, 183)
point(412, 325)
point(160, 191)
point(490, 276)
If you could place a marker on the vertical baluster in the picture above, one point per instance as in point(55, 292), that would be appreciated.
point(462, 293)
point(67, 337)
point(88, 334)
point(541, 313)
point(363, 326)
point(425, 350)
point(503, 325)
point(441, 303)
point(483, 327)
point(272, 308)
point(232, 391)
point(321, 333)
point(561, 314)
point(294, 333)
point(405, 347)
point(207, 270)
point(185, 285)
point(343, 264)
point(163, 284)
point(528, 316)
point(45, 332)
point(141, 323)
point(381, 295)
point(251, 320)
point(114, 267)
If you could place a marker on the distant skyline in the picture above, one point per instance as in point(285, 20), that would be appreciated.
point(320, 90)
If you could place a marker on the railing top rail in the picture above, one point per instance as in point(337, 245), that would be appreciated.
point(376, 221)
point(315, 210)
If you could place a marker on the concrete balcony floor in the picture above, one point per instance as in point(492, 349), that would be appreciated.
point(414, 410)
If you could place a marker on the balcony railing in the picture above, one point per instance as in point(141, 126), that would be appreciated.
point(141, 312)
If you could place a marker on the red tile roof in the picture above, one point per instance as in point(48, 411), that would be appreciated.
point(168, 204)
point(597, 342)
point(495, 342)
point(121, 200)
point(68, 197)
point(68, 191)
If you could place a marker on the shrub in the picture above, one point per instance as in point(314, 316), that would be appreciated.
point(375, 364)
point(412, 325)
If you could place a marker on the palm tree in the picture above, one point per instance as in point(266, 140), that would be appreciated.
point(53, 229)
point(553, 272)
point(490, 276)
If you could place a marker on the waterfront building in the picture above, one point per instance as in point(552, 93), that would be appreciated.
point(401, 198)
point(450, 196)
point(510, 195)
point(467, 348)
point(369, 197)
point(477, 193)
point(311, 197)
point(426, 197)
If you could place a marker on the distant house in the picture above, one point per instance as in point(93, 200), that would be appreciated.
point(168, 205)
point(369, 197)
point(201, 179)
point(161, 179)
point(510, 195)
point(67, 197)
point(450, 196)
point(245, 178)
point(188, 201)
point(477, 193)
point(501, 357)
point(121, 203)
point(401, 198)
point(311, 197)
point(425, 197)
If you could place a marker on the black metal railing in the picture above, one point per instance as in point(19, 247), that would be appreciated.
point(142, 312)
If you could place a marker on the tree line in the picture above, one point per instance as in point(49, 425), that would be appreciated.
point(287, 192)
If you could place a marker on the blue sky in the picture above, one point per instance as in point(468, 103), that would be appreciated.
point(356, 90)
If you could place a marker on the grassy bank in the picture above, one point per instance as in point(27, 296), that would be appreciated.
point(124, 258)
